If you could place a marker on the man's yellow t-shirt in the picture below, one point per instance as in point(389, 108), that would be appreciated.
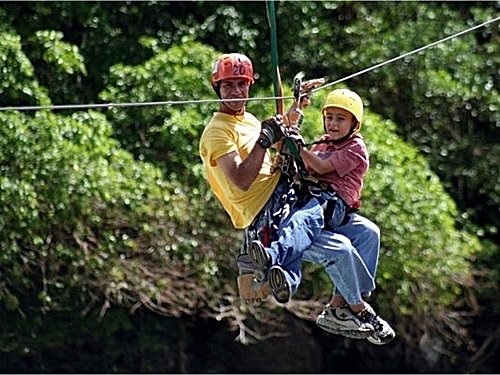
point(224, 134)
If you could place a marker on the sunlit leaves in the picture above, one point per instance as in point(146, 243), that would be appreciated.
point(64, 55)
point(18, 84)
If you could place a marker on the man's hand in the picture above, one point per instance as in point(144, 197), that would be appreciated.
point(272, 128)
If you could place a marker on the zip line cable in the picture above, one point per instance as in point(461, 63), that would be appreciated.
point(271, 19)
point(407, 54)
point(144, 104)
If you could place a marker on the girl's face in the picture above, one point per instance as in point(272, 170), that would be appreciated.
point(338, 122)
point(234, 89)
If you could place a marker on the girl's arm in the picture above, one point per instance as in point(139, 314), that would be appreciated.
point(314, 162)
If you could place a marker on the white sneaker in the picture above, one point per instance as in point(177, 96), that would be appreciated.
point(342, 321)
point(383, 333)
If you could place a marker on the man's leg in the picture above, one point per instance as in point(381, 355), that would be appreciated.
point(252, 284)
point(296, 233)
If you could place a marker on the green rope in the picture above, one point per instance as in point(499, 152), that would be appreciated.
point(292, 147)
point(274, 48)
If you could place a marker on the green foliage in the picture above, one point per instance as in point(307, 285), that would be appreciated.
point(62, 186)
point(421, 246)
point(78, 215)
point(17, 86)
point(112, 208)
point(166, 135)
point(63, 55)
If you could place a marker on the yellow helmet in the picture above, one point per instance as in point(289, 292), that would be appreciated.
point(348, 100)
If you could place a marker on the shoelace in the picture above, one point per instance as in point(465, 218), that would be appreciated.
point(369, 317)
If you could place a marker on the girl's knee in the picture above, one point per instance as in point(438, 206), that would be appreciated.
point(371, 229)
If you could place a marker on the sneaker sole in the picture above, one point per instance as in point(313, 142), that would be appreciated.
point(376, 340)
point(260, 259)
point(352, 334)
point(279, 285)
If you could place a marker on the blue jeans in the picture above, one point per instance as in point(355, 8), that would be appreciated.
point(299, 224)
point(350, 257)
point(349, 253)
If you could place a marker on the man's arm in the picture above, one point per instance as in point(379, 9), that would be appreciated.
point(242, 172)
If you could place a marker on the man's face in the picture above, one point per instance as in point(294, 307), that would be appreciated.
point(235, 88)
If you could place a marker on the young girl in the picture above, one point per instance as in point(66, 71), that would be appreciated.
point(339, 159)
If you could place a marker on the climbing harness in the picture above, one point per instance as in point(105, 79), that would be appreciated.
point(264, 228)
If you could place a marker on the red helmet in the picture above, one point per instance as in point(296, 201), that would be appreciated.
point(232, 65)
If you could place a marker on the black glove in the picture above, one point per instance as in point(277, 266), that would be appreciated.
point(271, 128)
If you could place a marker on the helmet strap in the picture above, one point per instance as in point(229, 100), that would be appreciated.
point(216, 87)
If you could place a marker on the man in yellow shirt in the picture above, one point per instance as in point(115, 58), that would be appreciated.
point(234, 148)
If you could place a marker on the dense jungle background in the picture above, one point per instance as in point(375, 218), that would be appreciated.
point(115, 256)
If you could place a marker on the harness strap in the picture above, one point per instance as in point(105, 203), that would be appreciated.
point(329, 207)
